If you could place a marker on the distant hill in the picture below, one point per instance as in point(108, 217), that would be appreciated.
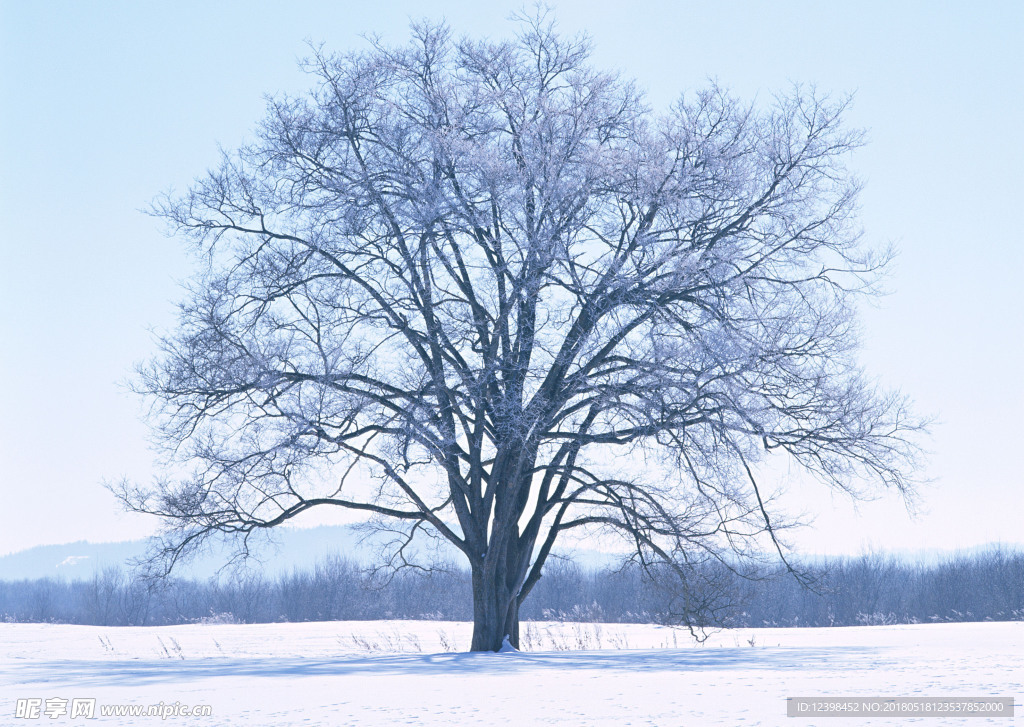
point(72, 560)
point(290, 548)
point(302, 548)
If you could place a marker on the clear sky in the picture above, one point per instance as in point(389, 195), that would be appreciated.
point(103, 105)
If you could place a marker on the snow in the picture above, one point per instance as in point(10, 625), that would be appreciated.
point(410, 672)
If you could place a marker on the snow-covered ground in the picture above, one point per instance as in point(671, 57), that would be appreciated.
point(413, 673)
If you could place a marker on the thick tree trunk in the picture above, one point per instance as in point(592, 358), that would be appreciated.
point(495, 613)
point(497, 580)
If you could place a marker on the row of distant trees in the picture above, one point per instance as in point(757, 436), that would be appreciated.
point(845, 592)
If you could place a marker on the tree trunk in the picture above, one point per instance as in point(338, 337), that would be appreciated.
point(495, 612)
point(498, 579)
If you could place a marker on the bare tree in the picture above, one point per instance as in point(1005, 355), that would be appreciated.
point(480, 290)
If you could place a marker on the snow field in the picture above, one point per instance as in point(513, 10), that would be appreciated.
point(413, 672)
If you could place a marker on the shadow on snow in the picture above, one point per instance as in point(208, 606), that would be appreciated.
point(136, 672)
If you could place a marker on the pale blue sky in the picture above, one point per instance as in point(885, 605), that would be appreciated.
point(105, 105)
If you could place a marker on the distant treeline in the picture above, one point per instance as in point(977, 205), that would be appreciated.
point(845, 592)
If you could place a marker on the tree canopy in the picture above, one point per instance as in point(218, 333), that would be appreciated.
point(481, 291)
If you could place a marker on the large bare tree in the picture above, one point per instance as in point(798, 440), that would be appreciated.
point(481, 291)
